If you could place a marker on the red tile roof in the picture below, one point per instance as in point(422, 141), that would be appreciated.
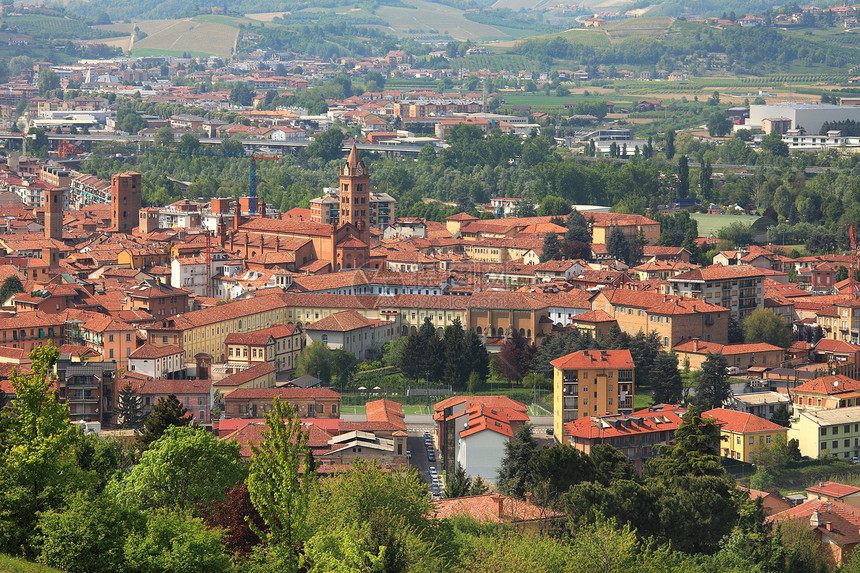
point(486, 508)
point(386, 411)
point(844, 519)
point(646, 421)
point(585, 359)
point(246, 376)
point(742, 422)
point(283, 393)
point(829, 385)
point(718, 272)
point(838, 346)
point(261, 337)
point(345, 321)
point(833, 489)
point(702, 347)
point(151, 351)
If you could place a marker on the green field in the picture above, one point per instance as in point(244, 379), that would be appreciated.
point(586, 37)
point(638, 27)
point(428, 18)
point(711, 224)
point(53, 27)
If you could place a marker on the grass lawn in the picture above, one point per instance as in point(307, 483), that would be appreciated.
point(15, 565)
point(711, 224)
point(642, 398)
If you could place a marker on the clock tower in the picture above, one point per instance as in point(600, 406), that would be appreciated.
point(355, 192)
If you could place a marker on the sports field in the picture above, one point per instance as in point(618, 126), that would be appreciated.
point(711, 224)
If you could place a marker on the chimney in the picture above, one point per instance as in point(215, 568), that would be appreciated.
point(500, 505)
point(695, 345)
point(815, 519)
point(237, 215)
point(262, 209)
point(828, 526)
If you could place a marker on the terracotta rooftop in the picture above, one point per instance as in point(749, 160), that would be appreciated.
point(245, 376)
point(833, 489)
point(741, 422)
point(585, 359)
point(151, 351)
point(283, 393)
point(261, 337)
point(491, 507)
point(836, 384)
point(345, 321)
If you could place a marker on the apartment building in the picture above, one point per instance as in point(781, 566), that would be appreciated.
point(278, 345)
point(828, 432)
point(739, 288)
point(740, 356)
point(591, 383)
point(826, 393)
point(674, 319)
point(308, 402)
point(742, 433)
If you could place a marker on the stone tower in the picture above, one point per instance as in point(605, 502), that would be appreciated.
point(355, 192)
point(125, 190)
point(54, 213)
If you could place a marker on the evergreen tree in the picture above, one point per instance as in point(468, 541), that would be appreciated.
point(683, 176)
point(516, 356)
point(12, 285)
point(476, 355)
point(670, 144)
point(705, 183)
point(514, 472)
point(617, 245)
point(666, 379)
point(781, 416)
point(713, 389)
point(577, 228)
point(694, 452)
point(459, 484)
point(456, 368)
point(551, 248)
point(167, 412)
point(129, 410)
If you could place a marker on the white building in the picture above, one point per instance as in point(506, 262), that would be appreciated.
point(349, 330)
point(806, 115)
point(159, 362)
point(190, 272)
point(480, 445)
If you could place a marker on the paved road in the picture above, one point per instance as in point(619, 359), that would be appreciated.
point(415, 444)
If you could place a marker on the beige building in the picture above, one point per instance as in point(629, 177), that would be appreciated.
point(741, 356)
point(278, 345)
point(739, 288)
point(828, 432)
point(591, 383)
point(674, 319)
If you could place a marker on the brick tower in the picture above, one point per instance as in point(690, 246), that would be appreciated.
point(54, 213)
point(355, 191)
point(125, 189)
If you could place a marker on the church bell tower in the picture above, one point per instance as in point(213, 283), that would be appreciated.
point(355, 192)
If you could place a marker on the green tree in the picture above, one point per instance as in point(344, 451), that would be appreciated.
point(683, 176)
point(12, 285)
point(841, 273)
point(666, 379)
point(314, 360)
point(177, 543)
point(459, 484)
point(670, 144)
point(773, 143)
point(129, 121)
point(165, 413)
point(129, 409)
point(695, 451)
point(718, 124)
point(514, 472)
point(88, 536)
point(577, 228)
point(327, 145)
point(781, 416)
point(610, 465)
point(713, 389)
point(188, 143)
point(555, 469)
point(553, 205)
point(274, 486)
point(551, 248)
point(764, 325)
point(48, 81)
point(163, 136)
point(617, 245)
point(186, 468)
point(37, 468)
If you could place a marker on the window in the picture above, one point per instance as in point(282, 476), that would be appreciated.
point(110, 337)
point(111, 353)
point(767, 439)
point(834, 444)
point(738, 440)
point(752, 440)
point(823, 446)
point(128, 337)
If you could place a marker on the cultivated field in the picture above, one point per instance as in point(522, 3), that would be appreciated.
point(198, 36)
point(426, 17)
point(638, 27)
point(267, 16)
